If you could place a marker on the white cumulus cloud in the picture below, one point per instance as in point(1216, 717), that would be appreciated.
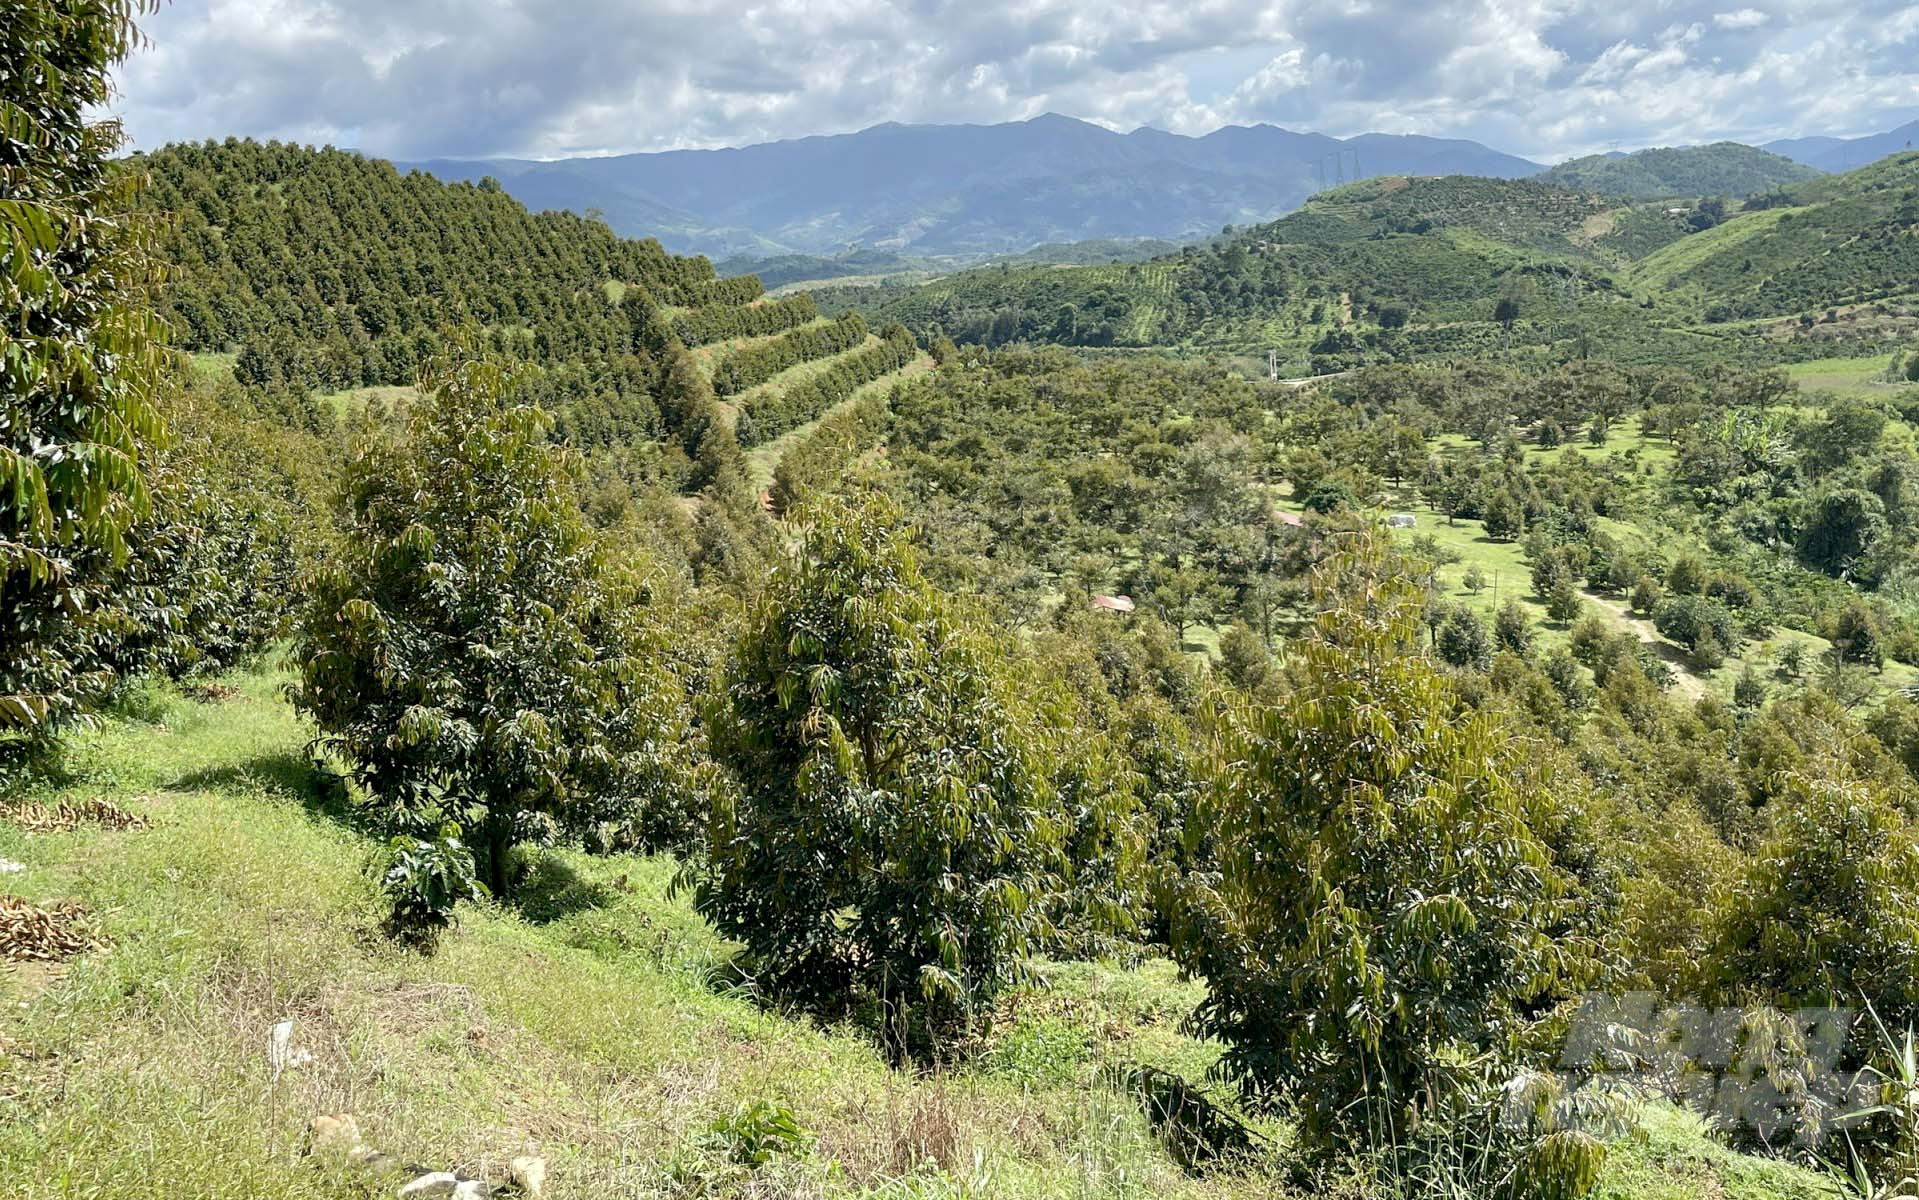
point(548, 78)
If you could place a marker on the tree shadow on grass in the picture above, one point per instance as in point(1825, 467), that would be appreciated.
point(290, 775)
point(1198, 1133)
point(551, 888)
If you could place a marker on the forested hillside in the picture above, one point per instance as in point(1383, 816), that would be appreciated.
point(326, 271)
point(974, 190)
point(1723, 168)
point(329, 269)
point(1405, 269)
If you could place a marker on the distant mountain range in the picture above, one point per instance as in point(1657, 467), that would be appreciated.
point(1845, 154)
point(969, 189)
point(973, 191)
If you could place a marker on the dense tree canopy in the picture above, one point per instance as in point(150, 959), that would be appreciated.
point(81, 371)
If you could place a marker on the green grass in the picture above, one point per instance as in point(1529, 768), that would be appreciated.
point(584, 1025)
point(348, 401)
point(210, 367)
point(1673, 260)
point(590, 1034)
point(1855, 376)
point(1624, 440)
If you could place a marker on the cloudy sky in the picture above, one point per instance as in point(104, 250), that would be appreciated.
point(549, 78)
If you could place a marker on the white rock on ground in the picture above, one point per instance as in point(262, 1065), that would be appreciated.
point(433, 1183)
point(529, 1172)
point(9, 867)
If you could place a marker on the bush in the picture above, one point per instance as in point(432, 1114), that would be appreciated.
point(424, 881)
point(1694, 622)
point(1462, 641)
point(896, 834)
point(469, 648)
point(1686, 576)
point(1513, 629)
point(1646, 595)
point(1828, 912)
point(1563, 603)
point(1854, 632)
point(1503, 516)
point(1342, 979)
point(1244, 658)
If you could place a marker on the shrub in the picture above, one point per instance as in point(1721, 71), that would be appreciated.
point(1244, 658)
point(424, 881)
point(1694, 621)
point(1686, 576)
point(1513, 629)
point(1563, 603)
point(1646, 595)
point(1462, 641)
point(1854, 631)
point(1503, 516)
point(469, 648)
point(1380, 903)
point(757, 1132)
point(1838, 529)
point(1792, 660)
point(897, 832)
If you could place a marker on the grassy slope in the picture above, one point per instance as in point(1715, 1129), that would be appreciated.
point(586, 1031)
point(1669, 262)
point(583, 1027)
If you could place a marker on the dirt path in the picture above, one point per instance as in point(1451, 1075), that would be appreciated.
point(1307, 380)
point(1619, 613)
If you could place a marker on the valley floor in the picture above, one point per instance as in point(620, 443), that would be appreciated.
point(588, 1024)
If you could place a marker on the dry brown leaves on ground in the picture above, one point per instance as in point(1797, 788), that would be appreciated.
point(69, 814)
point(31, 934)
point(211, 693)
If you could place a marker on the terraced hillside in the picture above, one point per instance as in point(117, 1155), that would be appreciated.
point(325, 271)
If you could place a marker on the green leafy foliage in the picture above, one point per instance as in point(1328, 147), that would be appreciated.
point(751, 365)
point(425, 880)
point(758, 1132)
point(1828, 911)
point(773, 413)
point(719, 321)
point(81, 364)
point(471, 649)
point(897, 827)
point(1382, 903)
point(313, 291)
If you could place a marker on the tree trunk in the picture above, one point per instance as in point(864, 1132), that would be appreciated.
point(497, 833)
